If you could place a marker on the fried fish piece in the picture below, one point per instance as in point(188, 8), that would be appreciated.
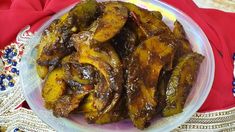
point(180, 83)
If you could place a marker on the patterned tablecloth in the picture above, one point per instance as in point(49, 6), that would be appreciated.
point(15, 118)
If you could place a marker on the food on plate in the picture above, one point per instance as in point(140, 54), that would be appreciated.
point(112, 61)
point(183, 43)
point(104, 58)
point(92, 115)
point(180, 83)
point(54, 44)
point(67, 103)
point(142, 76)
point(113, 18)
point(53, 87)
point(149, 22)
point(161, 90)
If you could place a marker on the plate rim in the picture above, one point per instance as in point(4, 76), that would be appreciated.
point(165, 5)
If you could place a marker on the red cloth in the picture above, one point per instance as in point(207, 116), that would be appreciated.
point(218, 26)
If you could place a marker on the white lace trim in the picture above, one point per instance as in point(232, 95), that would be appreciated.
point(224, 5)
point(23, 119)
point(12, 97)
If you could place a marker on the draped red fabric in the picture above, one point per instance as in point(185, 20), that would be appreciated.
point(217, 25)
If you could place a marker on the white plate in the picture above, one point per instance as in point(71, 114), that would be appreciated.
point(31, 83)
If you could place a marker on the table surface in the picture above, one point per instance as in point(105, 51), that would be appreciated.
point(21, 119)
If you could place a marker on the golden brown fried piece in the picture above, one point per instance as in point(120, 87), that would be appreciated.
point(80, 73)
point(84, 12)
point(184, 45)
point(106, 61)
point(54, 43)
point(66, 104)
point(167, 49)
point(180, 83)
point(111, 22)
point(78, 78)
point(142, 12)
point(125, 42)
point(92, 115)
point(54, 87)
point(87, 105)
point(149, 22)
point(143, 72)
point(41, 70)
point(161, 90)
point(157, 14)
